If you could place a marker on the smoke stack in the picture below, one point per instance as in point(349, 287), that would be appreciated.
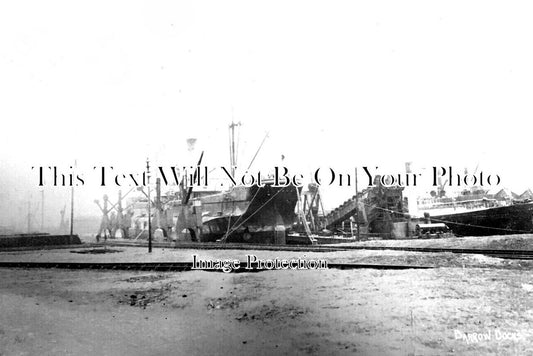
point(191, 142)
point(408, 167)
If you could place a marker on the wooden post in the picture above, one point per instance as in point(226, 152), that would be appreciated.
point(149, 204)
point(72, 209)
point(42, 210)
point(357, 205)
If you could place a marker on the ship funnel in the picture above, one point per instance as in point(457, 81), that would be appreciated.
point(191, 143)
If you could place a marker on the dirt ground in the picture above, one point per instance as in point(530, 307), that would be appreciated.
point(468, 304)
point(505, 242)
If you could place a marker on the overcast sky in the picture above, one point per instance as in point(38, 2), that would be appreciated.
point(335, 83)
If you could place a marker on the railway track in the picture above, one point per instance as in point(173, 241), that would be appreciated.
point(509, 254)
point(498, 253)
point(181, 266)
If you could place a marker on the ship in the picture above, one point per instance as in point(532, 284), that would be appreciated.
point(475, 212)
point(391, 213)
point(259, 213)
point(256, 214)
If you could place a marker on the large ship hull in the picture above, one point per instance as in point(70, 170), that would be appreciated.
point(242, 214)
point(504, 220)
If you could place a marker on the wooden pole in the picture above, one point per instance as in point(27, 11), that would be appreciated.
point(357, 205)
point(72, 209)
point(42, 210)
point(149, 204)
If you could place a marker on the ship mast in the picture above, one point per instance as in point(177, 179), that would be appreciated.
point(232, 148)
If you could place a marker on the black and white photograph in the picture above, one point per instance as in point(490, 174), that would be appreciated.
point(266, 178)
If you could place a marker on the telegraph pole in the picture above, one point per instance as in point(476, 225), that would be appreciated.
point(72, 209)
point(149, 204)
point(42, 210)
point(357, 205)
